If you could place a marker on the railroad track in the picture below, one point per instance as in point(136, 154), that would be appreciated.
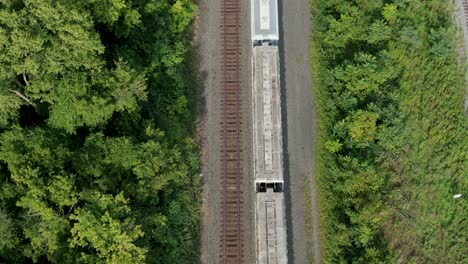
point(465, 11)
point(231, 241)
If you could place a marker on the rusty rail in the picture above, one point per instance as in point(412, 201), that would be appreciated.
point(231, 244)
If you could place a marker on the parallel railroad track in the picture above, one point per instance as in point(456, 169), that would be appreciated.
point(465, 10)
point(231, 242)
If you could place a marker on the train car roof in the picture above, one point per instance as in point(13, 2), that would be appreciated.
point(264, 20)
point(267, 133)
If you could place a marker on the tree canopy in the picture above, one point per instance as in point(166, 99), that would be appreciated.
point(97, 158)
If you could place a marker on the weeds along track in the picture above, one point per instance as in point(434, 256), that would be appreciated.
point(231, 250)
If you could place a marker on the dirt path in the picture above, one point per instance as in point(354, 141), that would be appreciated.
point(300, 129)
point(208, 58)
point(207, 45)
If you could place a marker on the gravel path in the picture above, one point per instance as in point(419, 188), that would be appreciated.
point(208, 46)
point(208, 60)
point(299, 130)
point(249, 186)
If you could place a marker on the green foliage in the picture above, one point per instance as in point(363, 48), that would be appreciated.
point(362, 126)
point(9, 106)
point(7, 232)
point(97, 160)
point(58, 56)
point(104, 224)
point(393, 141)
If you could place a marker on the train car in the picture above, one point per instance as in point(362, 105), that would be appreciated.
point(264, 19)
point(268, 157)
point(268, 147)
point(270, 216)
point(271, 228)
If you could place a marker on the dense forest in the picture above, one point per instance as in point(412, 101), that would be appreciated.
point(393, 133)
point(98, 163)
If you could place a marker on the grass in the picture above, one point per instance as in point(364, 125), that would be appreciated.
point(428, 224)
point(323, 122)
point(308, 215)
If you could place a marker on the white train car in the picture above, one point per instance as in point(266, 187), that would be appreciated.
point(271, 228)
point(264, 20)
point(268, 147)
point(270, 216)
point(268, 157)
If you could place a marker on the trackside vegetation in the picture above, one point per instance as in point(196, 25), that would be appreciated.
point(98, 163)
point(393, 139)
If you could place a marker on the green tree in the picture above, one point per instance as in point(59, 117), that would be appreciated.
point(52, 57)
point(8, 232)
point(392, 142)
point(97, 160)
point(105, 224)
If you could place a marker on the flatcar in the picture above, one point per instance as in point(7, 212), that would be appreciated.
point(268, 157)
point(270, 214)
point(268, 147)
